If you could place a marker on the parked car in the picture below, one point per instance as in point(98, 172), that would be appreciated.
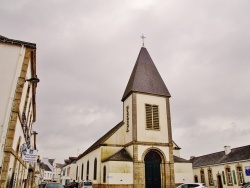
point(86, 184)
point(54, 185)
point(246, 185)
point(72, 185)
point(192, 185)
point(42, 185)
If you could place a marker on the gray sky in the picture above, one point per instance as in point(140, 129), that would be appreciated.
point(86, 51)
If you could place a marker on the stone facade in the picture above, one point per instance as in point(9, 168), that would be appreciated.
point(19, 64)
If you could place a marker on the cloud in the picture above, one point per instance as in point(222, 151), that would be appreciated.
point(86, 51)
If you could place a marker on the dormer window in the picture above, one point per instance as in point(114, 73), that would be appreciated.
point(152, 117)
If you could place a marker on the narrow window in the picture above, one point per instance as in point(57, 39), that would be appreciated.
point(240, 176)
point(202, 176)
point(229, 176)
point(87, 174)
point(152, 117)
point(210, 176)
point(82, 173)
point(104, 174)
point(196, 179)
point(127, 117)
point(76, 173)
point(95, 168)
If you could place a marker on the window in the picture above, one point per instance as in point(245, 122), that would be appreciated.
point(202, 176)
point(196, 179)
point(76, 173)
point(82, 173)
point(152, 117)
point(95, 168)
point(127, 120)
point(87, 174)
point(104, 174)
point(229, 176)
point(210, 176)
point(240, 176)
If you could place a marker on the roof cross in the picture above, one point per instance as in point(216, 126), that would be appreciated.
point(142, 37)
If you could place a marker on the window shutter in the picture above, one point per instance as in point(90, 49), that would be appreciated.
point(155, 117)
point(148, 116)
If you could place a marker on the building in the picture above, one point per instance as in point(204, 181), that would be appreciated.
point(18, 82)
point(69, 171)
point(183, 171)
point(138, 151)
point(57, 172)
point(225, 169)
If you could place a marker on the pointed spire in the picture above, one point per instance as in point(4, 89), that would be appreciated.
point(145, 77)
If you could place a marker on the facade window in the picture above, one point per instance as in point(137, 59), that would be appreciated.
point(127, 117)
point(95, 168)
point(210, 176)
point(196, 179)
point(240, 176)
point(152, 117)
point(76, 173)
point(87, 174)
point(229, 176)
point(82, 173)
point(202, 176)
point(104, 174)
point(68, 171)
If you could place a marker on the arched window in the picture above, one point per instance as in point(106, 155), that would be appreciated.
point(104, 174)
point(76, 173)
point(196, 179)
point(202, 176)
point(82, 173)
point(87, 174)
point(240, 175)
point(229, 175)
point(95, 168)
point(210, 176)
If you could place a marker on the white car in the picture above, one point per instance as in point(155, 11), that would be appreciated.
point(191, 185)
point(86, 184)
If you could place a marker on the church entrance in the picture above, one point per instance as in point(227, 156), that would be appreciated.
point(152, 170)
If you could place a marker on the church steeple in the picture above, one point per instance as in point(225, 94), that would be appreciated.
point(145, 77)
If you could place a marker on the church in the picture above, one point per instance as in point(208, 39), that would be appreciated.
point(139, 151)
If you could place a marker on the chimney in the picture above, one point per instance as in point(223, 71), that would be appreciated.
point(227, 149)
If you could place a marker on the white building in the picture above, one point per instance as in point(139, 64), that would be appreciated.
point(225, 169)
point(18, 82)
point(69, 171)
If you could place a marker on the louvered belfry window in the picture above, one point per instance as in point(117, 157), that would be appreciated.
point(152, 117)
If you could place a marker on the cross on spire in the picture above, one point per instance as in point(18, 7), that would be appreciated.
point(142, 37)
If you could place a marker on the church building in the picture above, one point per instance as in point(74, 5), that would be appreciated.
point(138, 151)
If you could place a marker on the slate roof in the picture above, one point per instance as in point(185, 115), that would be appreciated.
point(44, 167)
point(17, 42)
point(99, 142)
point(145, 77)
point(180, 160)
point(236, 154)
point(121, 155)
point(51, 161)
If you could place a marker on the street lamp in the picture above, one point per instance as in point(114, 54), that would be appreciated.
point(33, 80)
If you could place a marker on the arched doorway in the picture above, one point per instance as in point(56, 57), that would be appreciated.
point(152, 170)
point(219, 181)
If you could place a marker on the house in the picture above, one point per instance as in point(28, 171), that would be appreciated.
point(57, 171)
point(17, 112)
point(225, 169)
point(138, 151)
point(47, 173)
point(69, 171)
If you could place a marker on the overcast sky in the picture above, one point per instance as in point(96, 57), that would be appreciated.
point(86, 50)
